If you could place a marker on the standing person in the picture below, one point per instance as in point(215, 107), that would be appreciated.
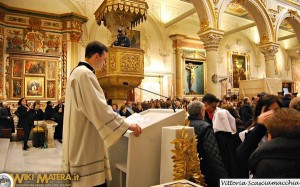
point(90, 125)
point(25, 115)
point(246, 112)
point(58, 106)
point(211, 161)
point(49, 111)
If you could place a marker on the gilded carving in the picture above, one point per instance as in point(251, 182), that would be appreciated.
point(2, 16)
point(293, 13)
point(204, 24)
point(216, 2)
point(130, 63)
point(264, 39)
point(280, 8)
point(34, 41)
point(16, 19)
point(241, 1)
point(75, 36)
point(52, 41)
point(35, 23)
point(1, 67)
point(14, 40)
point(112, 62)
point(64, 69)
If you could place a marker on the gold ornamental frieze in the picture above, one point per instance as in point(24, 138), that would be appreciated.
point(130, 63)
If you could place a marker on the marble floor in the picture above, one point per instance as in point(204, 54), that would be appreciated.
point(33, 160)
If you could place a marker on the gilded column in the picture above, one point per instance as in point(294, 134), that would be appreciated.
point(269, 50)
point(211, 39)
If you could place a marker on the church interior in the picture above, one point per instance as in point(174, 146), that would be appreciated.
point(176, 52)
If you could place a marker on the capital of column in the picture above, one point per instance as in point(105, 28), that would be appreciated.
point(269, 50)
point(211, 39)
point(75, 36)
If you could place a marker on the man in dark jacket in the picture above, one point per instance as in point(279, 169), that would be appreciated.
point(211, 163)
point(211, 102)
point(280, 157)
point(246, 112)
point(286, 100)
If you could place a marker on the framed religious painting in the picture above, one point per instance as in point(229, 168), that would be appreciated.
point(17, 88)
point(239, 68)
point(51, 89)
point(134, 37)
point(35, 67)
point(17, 68)
point(34, 87)
point(51, 70)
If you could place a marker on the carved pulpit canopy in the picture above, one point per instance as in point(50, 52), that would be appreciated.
point(122, 14)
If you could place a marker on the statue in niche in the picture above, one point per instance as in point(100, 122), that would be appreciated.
point(122, 39)
point(192, 76)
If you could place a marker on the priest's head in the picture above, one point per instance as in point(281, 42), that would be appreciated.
point(95, 54)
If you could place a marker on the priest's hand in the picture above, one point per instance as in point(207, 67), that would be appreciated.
point(137, 130)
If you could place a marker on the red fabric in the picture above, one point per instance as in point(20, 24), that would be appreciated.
point(210, 115)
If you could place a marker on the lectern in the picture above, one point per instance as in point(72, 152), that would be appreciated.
point(135, 161)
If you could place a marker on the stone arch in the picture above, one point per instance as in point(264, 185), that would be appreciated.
point(261, 18)
point(293, 18)
point(205, 11)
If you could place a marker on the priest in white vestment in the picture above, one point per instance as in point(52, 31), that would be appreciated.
point(90, 125)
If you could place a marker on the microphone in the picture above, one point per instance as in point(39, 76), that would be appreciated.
point(126, 84)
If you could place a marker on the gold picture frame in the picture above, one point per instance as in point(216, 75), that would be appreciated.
point(17, 88)
point(34, 87)
point(239, 68)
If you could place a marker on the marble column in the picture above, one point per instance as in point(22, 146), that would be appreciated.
point(269, 50)
point(211, 39)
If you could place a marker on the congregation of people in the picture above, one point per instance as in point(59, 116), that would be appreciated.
point(237, 138)
point(254, 137)
point(27, 113)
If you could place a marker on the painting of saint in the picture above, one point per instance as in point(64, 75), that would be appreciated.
point(239, 69)
point(35, 67)
point(17, 68)
point(34, 86)
point(51, 89)
point(17, 88)
point(134, 37)
point(51, 70)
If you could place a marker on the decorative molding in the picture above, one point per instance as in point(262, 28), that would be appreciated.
point(264, 39)
point(269, 50)
point(204, 24)
point(112, 62)
point(64, 68)
point(75, 36)
point(1, 63)
point(130, 63)
point(211, 39)
point(164, 54)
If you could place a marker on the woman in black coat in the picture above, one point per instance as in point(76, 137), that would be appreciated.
point(25, 119)
point(49, 111)
point(280, 156)
point(265, 108)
